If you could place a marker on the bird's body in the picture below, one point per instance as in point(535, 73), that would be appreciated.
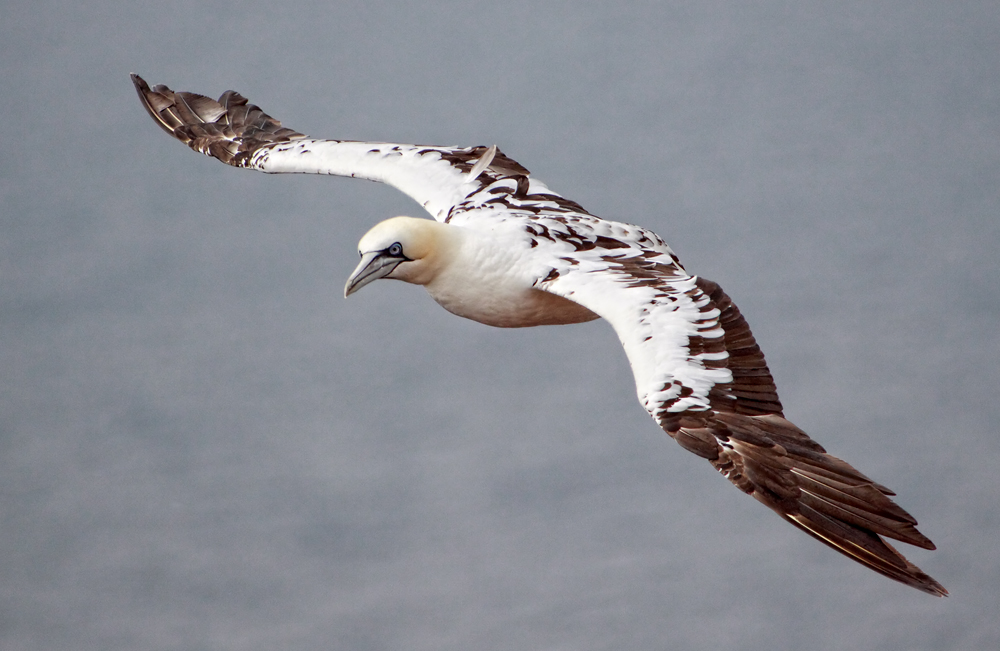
point(486, 273)
point(506, 251)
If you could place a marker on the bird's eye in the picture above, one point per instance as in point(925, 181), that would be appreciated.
point(396, 249)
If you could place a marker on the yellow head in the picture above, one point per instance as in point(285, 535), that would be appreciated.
point(401, 248)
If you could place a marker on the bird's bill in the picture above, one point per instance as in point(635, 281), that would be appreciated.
point(374, 265)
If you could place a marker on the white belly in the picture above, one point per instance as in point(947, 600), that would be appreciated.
point(510, 307)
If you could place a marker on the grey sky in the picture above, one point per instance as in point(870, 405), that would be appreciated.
point(202, 445)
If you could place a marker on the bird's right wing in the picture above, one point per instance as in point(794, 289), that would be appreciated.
point(440, 179)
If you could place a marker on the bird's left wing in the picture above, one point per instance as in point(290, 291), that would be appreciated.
point(441, 179)
point(701, 375)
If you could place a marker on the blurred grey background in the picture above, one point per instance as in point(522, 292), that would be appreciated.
point(204, 446)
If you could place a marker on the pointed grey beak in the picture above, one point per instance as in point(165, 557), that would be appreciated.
point(374, 265)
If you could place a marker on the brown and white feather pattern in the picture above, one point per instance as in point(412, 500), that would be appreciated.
point(698, 370)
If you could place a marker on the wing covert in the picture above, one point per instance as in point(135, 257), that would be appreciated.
point(677, 338)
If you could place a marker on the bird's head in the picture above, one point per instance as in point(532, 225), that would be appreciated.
point(401, 248)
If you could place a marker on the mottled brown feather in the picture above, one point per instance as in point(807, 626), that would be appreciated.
point(229, 129)
point(747, 439)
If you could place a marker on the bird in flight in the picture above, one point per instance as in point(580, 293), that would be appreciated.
point(505, 250)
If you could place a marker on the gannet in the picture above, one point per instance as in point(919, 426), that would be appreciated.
point(505, 250)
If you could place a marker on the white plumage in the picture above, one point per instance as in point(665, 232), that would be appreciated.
point(507, 251)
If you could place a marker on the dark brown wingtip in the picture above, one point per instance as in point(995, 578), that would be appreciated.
point(864, 547)
point(778, 464)
point(229, 129)
point(145, 93)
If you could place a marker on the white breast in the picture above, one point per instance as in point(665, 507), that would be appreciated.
point(490, 278)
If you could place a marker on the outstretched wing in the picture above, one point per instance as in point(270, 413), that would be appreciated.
point(702, 377)
point(444, 180)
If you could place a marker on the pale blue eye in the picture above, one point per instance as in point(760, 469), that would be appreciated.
point(396, 249)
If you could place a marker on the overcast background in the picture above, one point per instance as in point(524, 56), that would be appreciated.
point(204, 446)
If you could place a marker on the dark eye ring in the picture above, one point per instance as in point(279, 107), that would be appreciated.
point(396, 249)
